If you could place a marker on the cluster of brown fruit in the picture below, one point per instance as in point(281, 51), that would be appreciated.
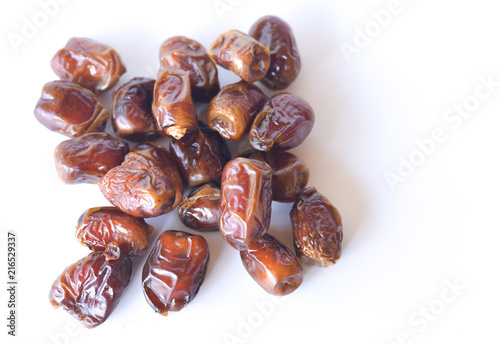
point(233, 196)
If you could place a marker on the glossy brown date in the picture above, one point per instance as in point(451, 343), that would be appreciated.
point(200, 209)
point(283, 122)
point(132, 116)
point(276, 34)
point(200, 156)
point(87, 158)
point(88, 63)
point(146, 184)
point(100, 226)
point(290, 173)
point(317, 229)
point(273, 266)
point(190, 56)
point(173, 106)
point(175, 270)
point(231, 111)
point(70, 109)
point(245, 201)
point(241, 54)
point(90, 289)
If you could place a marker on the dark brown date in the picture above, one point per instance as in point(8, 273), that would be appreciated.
point(69, 109)
point(200, 156)
point(88, 63)
point(90, 289)
point(175, 270)
point(245, 201)
point(284, 122)
point(190, 56)
point(241, 54)
point(285, 60)
point(100, 226)
point(132, 116)
point(231, 111)
point(173, 106)
point(147, 184)
point(200, 209)
point(87, 158)
point(290, 173)
point(273, 266)
point(317, 229)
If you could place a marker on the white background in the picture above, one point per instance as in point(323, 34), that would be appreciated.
point(403, 246)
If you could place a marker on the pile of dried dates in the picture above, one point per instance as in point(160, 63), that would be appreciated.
point(143, 179)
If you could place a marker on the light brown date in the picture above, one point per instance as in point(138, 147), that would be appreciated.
point(87, 158)
point(175, 270)
point(245, 202)
point(317, 229)
point(100, 226)
point(88, 63)
point(273, 266)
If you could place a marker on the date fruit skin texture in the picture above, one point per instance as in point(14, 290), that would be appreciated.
point(317, 229)
point(290, 173)
point(200, 209)
point(91, 288)
point(87, 158)
point(232, 110)
point(283, 122)
point(88, 63)
point(245, 202)
point(273, 266)
point(285, 59)
point(97, 227)
point(241, 54)
point(200, 156)
point(70, 109)
point(190, 56)
point(174, 270)
point(173, 107)
point(132, 117)
point(146, 184)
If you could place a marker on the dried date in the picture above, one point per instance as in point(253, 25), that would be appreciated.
point(245, 202)
point(91, 288)
point(284, 122)
point(200, 209)
point(88, 63)
point(100, 226)
point(89, 157)
point(317, 229)
point(273, 266)
point(70, 109)
point(174, 270)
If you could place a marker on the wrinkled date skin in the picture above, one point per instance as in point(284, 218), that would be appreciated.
point(245, 202)
point(241, 54)
point(190, 56)
point(290, 173)
point(88, 63)
point(175, 270)
point(90, 289)
point(69, 109)
point(317, 229)
point(284, 67)
point(132, 116)
point(200, 209)
point(273, 266)
point(283, 122)
point(173, 106)
point(231, 111)
point(100, 226)
point(146, 184)
point(200, 156)
point(87, 158)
